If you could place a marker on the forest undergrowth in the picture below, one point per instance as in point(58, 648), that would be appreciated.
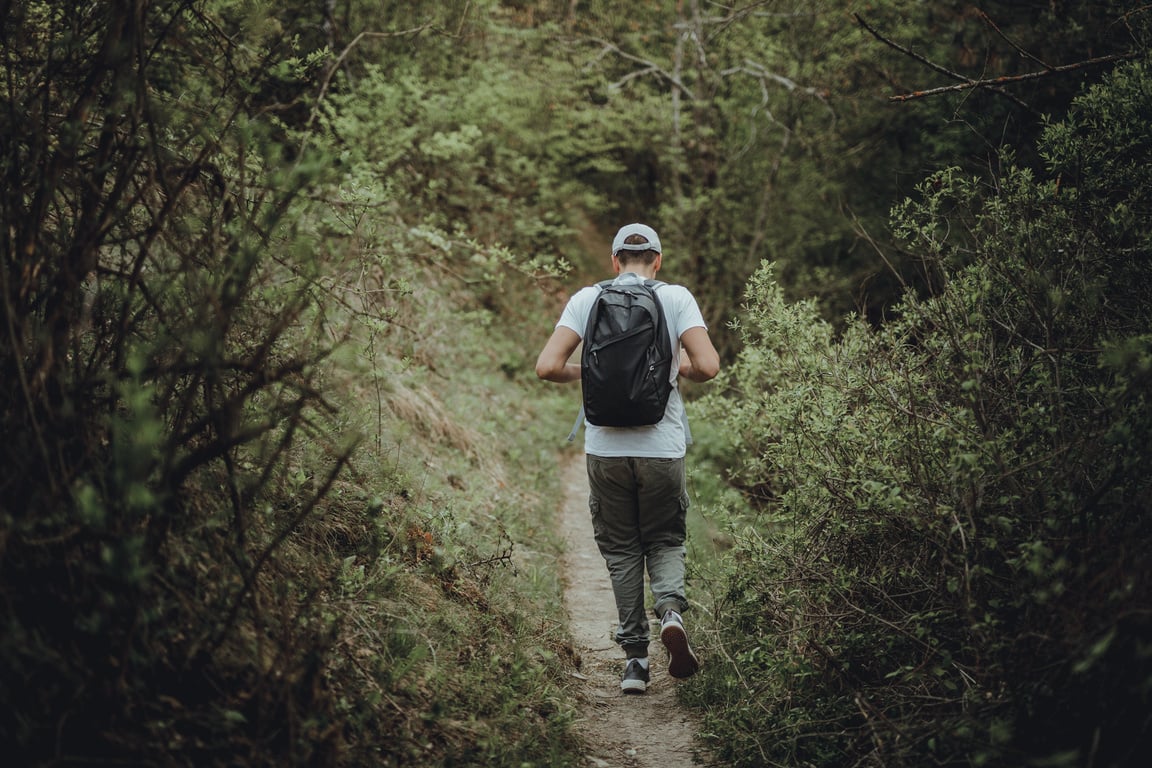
point(275, 491)
point(372, 583)
point(278, 484)
point(948, 561)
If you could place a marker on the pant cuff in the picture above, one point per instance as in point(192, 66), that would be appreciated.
point(636, 651)
point(668, 604)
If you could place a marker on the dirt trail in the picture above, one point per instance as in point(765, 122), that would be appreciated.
point(621, 731)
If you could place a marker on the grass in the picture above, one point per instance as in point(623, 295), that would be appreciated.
point(453, 648)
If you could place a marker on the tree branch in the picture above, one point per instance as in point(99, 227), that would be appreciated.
point(1005, 38)
point(965, 82)
point(339, 60)
point(993, 83)
point(651, 67)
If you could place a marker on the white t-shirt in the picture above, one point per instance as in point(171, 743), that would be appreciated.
point(665, 439)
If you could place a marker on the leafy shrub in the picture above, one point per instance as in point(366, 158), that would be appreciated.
point(158, 370)
point(189, 576)
point(951, 559)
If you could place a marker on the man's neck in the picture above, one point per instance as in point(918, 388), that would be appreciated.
point(645, 271)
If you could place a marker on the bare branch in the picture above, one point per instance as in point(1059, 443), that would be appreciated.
point(992, 83)
point(344, 54)
point(1021, 51)
point(909, 52)
point(760, 72)
point(651, 67)
point(966, 82)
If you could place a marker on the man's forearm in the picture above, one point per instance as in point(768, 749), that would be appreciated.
point(570, 372)
point(561, 375)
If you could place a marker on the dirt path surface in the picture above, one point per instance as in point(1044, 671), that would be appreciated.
point(621, 731)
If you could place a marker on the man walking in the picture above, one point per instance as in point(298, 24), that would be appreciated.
point(636, 474)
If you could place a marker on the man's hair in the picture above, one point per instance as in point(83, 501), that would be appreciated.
point(630, 257)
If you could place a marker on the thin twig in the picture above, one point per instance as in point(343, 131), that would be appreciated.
point(1005, 38)
point(992, 84)
point(652, 67)
point(909, 52)
point(965, 82)
point(344, 54)
point(265, 555)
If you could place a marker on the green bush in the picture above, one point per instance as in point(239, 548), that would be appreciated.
point(950, 563)
point(200, 561)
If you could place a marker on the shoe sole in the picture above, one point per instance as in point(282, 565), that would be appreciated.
point(681, 661)
point(633, 686)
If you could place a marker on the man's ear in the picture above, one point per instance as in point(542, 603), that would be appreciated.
point(615, 264)
point(656, 264)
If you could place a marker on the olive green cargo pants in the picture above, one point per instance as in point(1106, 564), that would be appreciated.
point(639, 510)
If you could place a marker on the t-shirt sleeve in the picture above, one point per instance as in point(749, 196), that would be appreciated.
point(575, 314)
point(688, 313)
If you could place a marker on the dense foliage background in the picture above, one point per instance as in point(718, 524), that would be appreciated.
point(277, 480)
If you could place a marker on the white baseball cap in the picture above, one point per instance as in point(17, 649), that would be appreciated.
point(644, 231)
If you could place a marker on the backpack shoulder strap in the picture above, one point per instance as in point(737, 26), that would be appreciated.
point(578, 423)
point(655, 285)
point(600, 286)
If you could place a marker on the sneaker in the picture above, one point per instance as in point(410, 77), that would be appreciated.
point(635, 677)
point(681, 661)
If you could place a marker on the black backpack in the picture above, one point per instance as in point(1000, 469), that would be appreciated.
point(627, 357)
